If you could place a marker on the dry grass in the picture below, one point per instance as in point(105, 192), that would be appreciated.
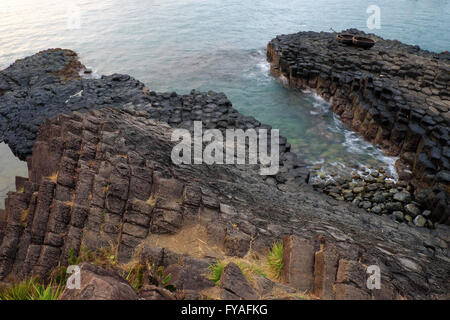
point(151, 200)
point(69, 203)
point(191, 240)
point(106, 187)
point(250, 267)
point(24, 216)
point(53, 177)
point(133, 272)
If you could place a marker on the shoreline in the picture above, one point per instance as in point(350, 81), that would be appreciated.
point(370, 99)
point(111, 185)
point(100, 175)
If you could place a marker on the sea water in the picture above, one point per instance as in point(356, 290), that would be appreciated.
point(179, 45)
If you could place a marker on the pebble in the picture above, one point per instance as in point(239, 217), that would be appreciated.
point(321, 175)
point(366, 204)
point(398, 215)
point(358, 190)
point(420, 221)
point(403, 196)
point(412, 210)
point(377, 209)
point(426, 213)
point(376, 192)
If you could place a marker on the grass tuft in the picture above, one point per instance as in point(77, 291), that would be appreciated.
point(216, 270)
point(23, 217)
point(275, 259)
point(249, 270)
point(53, 177)
point(151, 200)
point(135, 276)
point(31, 289)
point(49, 292)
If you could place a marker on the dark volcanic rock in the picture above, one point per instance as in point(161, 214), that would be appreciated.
point(100, 284)
point(151, 292)
point(234, 285)
point(393, 94)
point(48, 83)
point(129, 144)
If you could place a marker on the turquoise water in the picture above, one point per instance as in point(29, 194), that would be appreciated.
point(220, 45)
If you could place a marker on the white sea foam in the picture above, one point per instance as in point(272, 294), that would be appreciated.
point(78, 94)
point(354, 143)
point(93, 75)
point(283, 80)
point(258, 67)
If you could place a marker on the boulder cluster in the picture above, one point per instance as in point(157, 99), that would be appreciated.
point(377, 192)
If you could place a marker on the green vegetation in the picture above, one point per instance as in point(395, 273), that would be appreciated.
point(48, 292)
point(161, 279)
point(216, 270)
point(135, 276)
point(102, 257)
point(18, 291)
point(275, 259)
point(249, 270)
point(31, 289)
point(23, 217)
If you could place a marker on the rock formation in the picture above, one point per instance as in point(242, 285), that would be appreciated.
point(105, 178)
point(100, 175)
point(393, 94)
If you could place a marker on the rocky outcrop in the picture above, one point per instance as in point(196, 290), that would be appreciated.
point(53, 82)
point(378, 193)
point(47, 84)
point(234, 285)
point(105, 178)
point(395, 95)
point(100, 284)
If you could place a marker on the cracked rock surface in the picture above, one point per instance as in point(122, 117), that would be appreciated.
point(105, 177)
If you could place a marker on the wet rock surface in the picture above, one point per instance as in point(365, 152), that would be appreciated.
point(381, 195)
point(393, 94)
point(109, 180)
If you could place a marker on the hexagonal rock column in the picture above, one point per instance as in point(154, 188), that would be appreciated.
point(298, 263)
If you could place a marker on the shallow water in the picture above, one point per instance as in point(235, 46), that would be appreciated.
point(179, 45)
point(10, 167)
